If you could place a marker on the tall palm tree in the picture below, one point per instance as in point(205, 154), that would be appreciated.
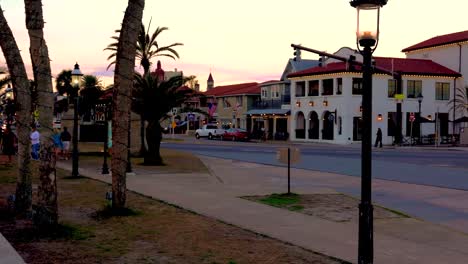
point(121, 101)
point(157, 99)
point(147, 49)
point(460, 102)
point(20, 82)
point(46, 213)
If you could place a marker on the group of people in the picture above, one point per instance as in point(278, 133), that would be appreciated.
point(61, 139)
point(61, 143)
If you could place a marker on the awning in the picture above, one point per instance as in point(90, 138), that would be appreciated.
point(269, 112)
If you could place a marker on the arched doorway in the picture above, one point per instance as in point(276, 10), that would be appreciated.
point(314, 125)
point(327, 130)
point(300, 125)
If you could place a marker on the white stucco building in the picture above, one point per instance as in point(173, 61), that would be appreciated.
point(451, 51)
point(326, 100)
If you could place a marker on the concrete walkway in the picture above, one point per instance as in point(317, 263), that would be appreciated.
point(8, 254)
point(397, 240)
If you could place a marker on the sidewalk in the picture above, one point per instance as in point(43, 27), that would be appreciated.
point(397, 240)
point(8, 254)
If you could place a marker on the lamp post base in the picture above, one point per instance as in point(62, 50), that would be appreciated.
point(366, 239)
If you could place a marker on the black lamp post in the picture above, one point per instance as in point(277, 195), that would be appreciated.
point(107, 113)
point(420, 99)
point(367, 36)
point(76, 78)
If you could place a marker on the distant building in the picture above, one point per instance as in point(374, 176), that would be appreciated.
point(451, 51)
point(272, 111)
point(232, 103)
point(209, 83)
point(326, 100)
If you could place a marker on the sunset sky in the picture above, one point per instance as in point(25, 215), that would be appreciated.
point(240, 41)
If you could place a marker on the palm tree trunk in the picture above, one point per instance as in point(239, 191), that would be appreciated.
point(46, 214)
point(123, 84)
point(153, 137)
point(22, 93)
point(146, 71)
point(142, 136)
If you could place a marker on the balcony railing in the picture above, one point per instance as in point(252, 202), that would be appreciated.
point(272, 103)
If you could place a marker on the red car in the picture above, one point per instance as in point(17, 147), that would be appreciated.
point(235, 134)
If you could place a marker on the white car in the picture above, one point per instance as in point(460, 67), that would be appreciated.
point(210, 131)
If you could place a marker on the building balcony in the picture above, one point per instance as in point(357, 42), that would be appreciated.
point(272, 103)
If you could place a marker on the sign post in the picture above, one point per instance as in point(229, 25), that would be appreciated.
point(411, 119)
point(288, 156)
point(173, 124)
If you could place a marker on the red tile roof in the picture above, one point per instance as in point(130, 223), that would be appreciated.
point(401, 65)
point(270, 81)
point(439, 40)
point(234, 89)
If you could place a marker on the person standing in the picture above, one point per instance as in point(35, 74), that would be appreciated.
point(35, 143)
point(378, 140)
point(57, 143)
point(8, 144)
point(66, 138)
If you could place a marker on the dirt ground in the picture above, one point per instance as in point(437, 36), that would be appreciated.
point(334, 207)
point(154, 232)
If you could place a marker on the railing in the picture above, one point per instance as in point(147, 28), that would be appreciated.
point(272, 103)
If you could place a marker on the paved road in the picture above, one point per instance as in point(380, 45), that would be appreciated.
point(438, 168)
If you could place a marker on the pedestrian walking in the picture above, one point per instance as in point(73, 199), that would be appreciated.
point(378, 140)
point(66, 138)
point(56, 137)
point(8, 144)
point(35, 142)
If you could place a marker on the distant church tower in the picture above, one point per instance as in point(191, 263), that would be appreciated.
point(210, 83)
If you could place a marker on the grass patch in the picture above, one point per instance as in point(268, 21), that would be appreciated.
point(72, 232)
point(281, 200)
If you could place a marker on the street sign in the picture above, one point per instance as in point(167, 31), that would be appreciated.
point(412, 117)
point(282, 155)
point(174, 111)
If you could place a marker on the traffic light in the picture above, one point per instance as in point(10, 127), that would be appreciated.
point(297, 54)
point(350, 63)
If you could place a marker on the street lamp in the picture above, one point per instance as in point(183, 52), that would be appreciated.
point(76, 78)
point(420, 99)
point(367, 37)
point(106, 107)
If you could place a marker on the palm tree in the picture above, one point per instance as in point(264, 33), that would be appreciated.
point(63, 84)
point(147, 49)
point(90, 93)
point(20, 82)
point(157, 99)
point(4, 81)
point(460, 102)
point(121, 101)
point(46, 213)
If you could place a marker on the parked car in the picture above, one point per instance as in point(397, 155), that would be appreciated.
point(210, 131)
point(235, 134)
